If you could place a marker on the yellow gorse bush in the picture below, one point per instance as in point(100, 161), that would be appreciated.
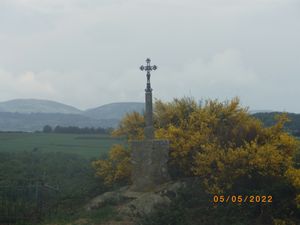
point(219, 142)
point(116, 168)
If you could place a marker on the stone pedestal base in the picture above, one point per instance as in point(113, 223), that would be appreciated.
point(149, 164)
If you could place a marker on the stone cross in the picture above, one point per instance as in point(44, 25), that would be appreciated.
point(149, 157)
point(149, 130)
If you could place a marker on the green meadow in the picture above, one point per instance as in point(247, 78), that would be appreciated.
point(87, 145)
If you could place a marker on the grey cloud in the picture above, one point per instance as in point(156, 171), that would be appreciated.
point(88, 52)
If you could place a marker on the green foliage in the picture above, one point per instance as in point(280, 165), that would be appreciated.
point(95, 217)
point(72, 174)
point(47, 129)
point(81, 217)
point(193, 206)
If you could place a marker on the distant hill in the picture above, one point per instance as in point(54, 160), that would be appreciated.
point(260, 111)
point(37, 106)
point(34, 114)
point(269, 119)
point(114, 110)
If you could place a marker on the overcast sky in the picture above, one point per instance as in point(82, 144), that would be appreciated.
point(87, 53)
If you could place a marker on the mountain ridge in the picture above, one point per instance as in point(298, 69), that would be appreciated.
point(37, 106)
point(114, 110)
point(33, 114)
point(21, 105)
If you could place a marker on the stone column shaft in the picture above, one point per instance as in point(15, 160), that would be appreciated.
point(149, 130)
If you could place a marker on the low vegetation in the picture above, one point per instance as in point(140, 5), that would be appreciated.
point(70, 173)
point(49, 176)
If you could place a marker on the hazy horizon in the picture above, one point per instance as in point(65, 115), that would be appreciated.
point(65, 103)
point(87, 54)
point(96, 106)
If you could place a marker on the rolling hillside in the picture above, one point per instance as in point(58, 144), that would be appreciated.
point(33, 114)
point(293, 126)
point(114, 110)
point(37, 106)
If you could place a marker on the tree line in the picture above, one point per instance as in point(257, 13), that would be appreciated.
point(76, 130)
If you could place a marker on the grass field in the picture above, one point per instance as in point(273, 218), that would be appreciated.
point(87, 145)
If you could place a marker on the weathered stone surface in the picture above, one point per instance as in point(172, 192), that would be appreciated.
point(137, 204)
point(149, 164)
point(149, 130)
point(113, 197)
point(145, 204)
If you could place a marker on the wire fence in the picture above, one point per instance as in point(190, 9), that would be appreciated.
point(21, 204)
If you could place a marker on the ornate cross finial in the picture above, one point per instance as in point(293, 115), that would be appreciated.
point(148, 68)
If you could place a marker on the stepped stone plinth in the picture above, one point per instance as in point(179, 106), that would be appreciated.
point(149, 164)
